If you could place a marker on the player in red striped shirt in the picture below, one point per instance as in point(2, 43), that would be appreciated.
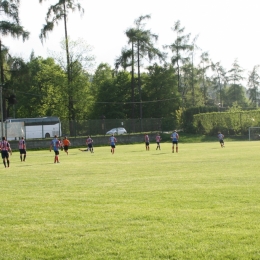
point(89, 143)
point(22, 149)
point(147, 142)
point(158, 140)
point(5, 150)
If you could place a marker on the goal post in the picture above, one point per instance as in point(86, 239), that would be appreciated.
point(254, 133)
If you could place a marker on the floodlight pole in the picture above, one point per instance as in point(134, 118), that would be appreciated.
point(2, 113)
point(1, 89)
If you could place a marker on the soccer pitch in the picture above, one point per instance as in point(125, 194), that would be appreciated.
point(200, 203)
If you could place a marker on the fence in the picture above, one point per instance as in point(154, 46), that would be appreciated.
point(101, 126)
point(40, 128)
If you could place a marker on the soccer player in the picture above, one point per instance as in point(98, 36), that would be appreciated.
point(147, 142)
point(22, 149)
point(158, 140)
point(83, 150)
point(89, 143)
point(175, 139)
point(112, 141)
point(221, 139)
point(66, 144)
point(5, 150)
point(55, 145)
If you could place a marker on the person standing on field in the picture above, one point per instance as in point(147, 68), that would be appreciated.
point(5, 150)
point(66, 144)
point(158, 140)
point(175, 139)
point(221, 139)
point(55, 145)
point(147, 142)
point(112, 141)
point(89, 143)
point(22, 149)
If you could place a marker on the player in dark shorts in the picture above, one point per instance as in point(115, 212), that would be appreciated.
point(147, 142)
point(89, 143)
point(66, 144)
point(22, 149)
point(175, 139)
point(5, 150)
point(55, 145)
point(221, 139)
point(112, 141)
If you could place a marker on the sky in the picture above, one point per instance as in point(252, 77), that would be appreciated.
point(226, 29)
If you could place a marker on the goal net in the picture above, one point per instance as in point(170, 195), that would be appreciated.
point(13, 131)
point(254, 133)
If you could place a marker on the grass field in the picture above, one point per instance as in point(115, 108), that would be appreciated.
point(201, 203)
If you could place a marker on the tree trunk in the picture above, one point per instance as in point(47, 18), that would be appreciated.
point(70, 105)
point(133, 83)
point(139, 79)
point(139, 84)
point(4, 111)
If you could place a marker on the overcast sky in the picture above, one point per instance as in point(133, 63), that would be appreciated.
point(227, 29)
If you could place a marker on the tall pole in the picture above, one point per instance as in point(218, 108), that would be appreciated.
point(2, 114)
point(1, 90)
point(139, 84)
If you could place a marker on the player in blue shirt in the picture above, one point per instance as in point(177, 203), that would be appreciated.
point(112, 141)
point(55, 145)
point(175, 139)
point(221, 139)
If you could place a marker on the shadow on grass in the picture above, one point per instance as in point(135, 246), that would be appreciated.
point(159, 153)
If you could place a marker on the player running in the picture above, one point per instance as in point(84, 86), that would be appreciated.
point(221, 139)
point(66, 144)
point(55, 145)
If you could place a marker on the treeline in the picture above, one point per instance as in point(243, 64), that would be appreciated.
point(231, 123)
point(146, 81)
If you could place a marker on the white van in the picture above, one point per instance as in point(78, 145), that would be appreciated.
point(29, 128)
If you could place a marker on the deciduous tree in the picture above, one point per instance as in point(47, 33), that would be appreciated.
point(179, 49)
point(9, 9)
point(59, 12)
point(253, 86)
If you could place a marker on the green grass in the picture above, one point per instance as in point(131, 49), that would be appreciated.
point(202, 203)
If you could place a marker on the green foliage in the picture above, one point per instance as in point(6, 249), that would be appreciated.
point(11, 26)
point(110, 93)
point(42, 88)
point(253, 86)
point(160, 86)
point(142, 46)
point(56, 13)
point(39, 89)
point(226, 122)
point(179, 48)
point(187, 116)
point(235, 107)
point(235, 93)
point(169, 124)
